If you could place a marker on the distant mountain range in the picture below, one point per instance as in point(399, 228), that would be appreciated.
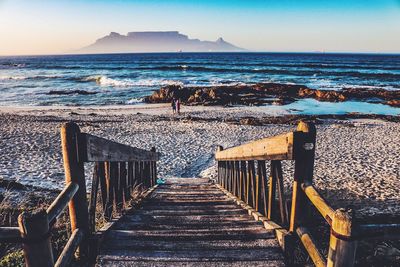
point(169, 41)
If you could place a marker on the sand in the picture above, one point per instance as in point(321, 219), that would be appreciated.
point(356, 161)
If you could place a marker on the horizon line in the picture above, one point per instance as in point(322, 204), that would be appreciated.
point(210, 52)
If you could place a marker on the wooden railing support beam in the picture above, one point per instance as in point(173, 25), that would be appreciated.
point(34, 229)
point(304, 151)
point(74, 173)
point(342, 247)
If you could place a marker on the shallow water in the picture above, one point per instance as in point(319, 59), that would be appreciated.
point(315, 107)
point(126, 78)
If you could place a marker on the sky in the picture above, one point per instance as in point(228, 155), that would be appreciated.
point(30, 27)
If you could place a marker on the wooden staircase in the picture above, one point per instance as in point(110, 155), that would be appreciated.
point(189, 222)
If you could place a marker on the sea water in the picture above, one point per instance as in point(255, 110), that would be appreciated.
point(125, 79)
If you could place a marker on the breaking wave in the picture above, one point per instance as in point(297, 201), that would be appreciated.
point(106, 81)
point(3, 78)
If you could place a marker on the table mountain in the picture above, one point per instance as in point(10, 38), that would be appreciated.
point(169, 41)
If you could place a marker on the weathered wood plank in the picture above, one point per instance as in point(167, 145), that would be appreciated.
point(68, 252)
point(273, 253)
point(311, 247)
point(101, 149)
point(191, 245)
point(174, 224)
point(279, 147)
point(93, 198)
point(180, 226)
point(190, 218)
point(128, 263)
point(190, 212)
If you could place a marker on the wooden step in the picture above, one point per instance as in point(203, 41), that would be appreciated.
point(189, 234)
point(183, 212)
point(125, 263)
point(189, 222)
point(273, 253)
point(190, 245)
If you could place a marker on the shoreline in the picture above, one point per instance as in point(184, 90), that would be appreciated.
point(160, 109)
point(353, 163)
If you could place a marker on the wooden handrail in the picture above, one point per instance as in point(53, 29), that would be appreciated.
point(61, 202)
point(119, 171)
point(100, 149)
point(273, 148)
point(242, 173)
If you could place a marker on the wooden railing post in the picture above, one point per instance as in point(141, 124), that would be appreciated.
point(342, 249)
point(110, 191)
point(271, 192)
point(304, 147)
point(74, 172)
point(153, 169)
point(219, 171)
point(243, 166)
point(34, 229)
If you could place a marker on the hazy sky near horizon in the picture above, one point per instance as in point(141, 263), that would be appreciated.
point(53, 27)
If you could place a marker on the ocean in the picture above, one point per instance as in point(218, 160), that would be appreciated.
point(124, 79)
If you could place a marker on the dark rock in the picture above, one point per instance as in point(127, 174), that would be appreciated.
point(265, 93)
point(250, 121)
point(72, 92)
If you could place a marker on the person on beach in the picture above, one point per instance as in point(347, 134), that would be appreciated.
point(173, 105)
point(178, 106)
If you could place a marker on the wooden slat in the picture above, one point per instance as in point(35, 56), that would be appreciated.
point(252, 182)
point(244, 174)
point(263, 177)
point(310, 246)
point(271, 192)
point(103, 185)
point(110, 191)
point(100, 149)
point(281, 192)
point(114, 171)
point(279, 147)
point(130, 177)
point(93, 198)
point(70, 248)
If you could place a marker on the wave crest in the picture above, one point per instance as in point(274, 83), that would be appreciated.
point(2, 78)
point(106, 81)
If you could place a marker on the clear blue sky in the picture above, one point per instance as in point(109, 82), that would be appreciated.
point(49, 26)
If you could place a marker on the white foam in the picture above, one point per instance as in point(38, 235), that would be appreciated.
point(106, 81)
point(12, 78)
point(135, 101)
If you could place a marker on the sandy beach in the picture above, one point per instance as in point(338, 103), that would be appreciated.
point(356, 160)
